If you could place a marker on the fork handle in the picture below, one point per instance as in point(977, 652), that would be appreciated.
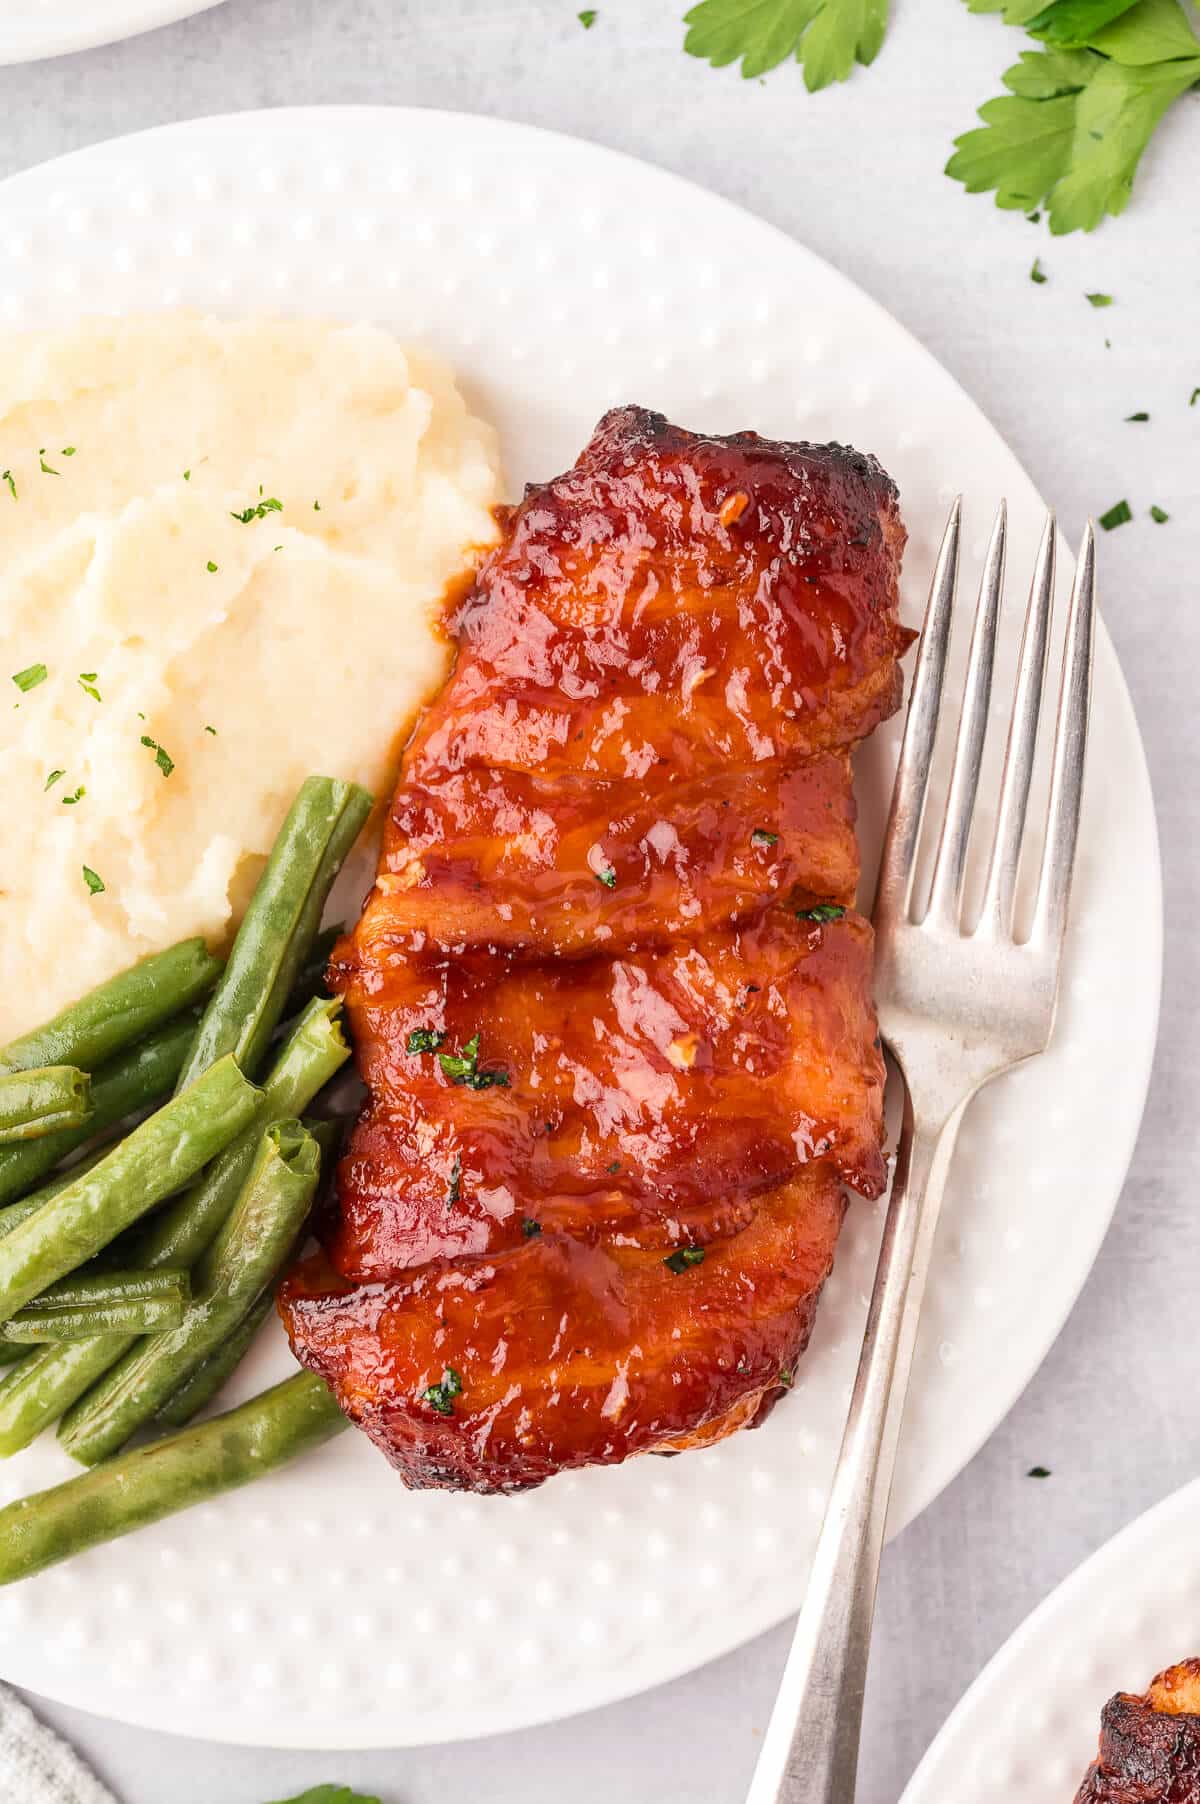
point(810, 1751)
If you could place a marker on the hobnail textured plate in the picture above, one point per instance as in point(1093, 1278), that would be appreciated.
point(30, 29)
point(327, 1606)
point(1027, 1729)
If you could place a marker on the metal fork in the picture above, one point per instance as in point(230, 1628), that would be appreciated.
point(959, 1002)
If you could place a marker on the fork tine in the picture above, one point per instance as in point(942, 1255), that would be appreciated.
point(997, 912)
point(920, 730)
point(1070, 750)
point(945, 895)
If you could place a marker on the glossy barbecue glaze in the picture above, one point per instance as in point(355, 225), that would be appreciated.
point(622, 854)
point(1150, 1746)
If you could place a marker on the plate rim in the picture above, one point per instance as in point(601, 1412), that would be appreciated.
point(137, 16)
point(1110, 1553)
point(317, 118)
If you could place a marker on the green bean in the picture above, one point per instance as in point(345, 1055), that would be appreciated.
point(130, 1082)
point(34, 1394)
point(104, 1303)
point(35, 1103)
point(241, 1263)
point(309, 981)
point(29, 1205)
point(314, 1050)
point(279, 926)
point(11, 1352)
point(180, 1233)
point(200, 1389)
point(118, 1013)
point(152, 1482)
point(167, 1149)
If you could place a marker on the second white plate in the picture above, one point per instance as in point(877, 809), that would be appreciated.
point(39, 28)
point(1027, 1729)
point(327, 1606)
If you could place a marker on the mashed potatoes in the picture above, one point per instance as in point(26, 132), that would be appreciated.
point(227, 545)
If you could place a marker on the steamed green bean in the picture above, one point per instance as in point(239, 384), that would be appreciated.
point(36, 1103)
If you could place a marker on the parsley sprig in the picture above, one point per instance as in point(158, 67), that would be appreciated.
point(1078, 114)
point(441, 1396)
point(462, 1067)
point(826, 36)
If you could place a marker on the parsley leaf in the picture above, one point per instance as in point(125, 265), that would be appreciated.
point(1099, 300)
point(164, 761)
point(1195, 396)
point(212, 568)
point(827, 36)
point(52, 779)
point(70, 801)
point(787, 1377)
point(30, 678)
point(1071, 130)
point(259, 512)
point(1131, 417)
point(462, 1067)
point(95, 883)
point(46, 470)
point(425, 1039)
point(6, 477)
point(824, 911)
point(329, 1794)
point(679, 1261)
point(530, 1228)
point(1159, 515)
point(760, 837)
point(1119, 515)
point(441, 1396)
point(1038, 1472)
point(1037, 273)
point(87, 682)
point(587, 18)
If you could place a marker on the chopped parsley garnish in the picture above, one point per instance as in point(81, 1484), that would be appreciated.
point(52, 779)
point(7, 478)
point(1138, 418)
point(94, 882)
point(680, 1260)
point(67, 451)
point(425, 1039)
point(270, 506)
point(212, 568)
point(614, 1168)
point(462, 1067)
point(1159, 515)
point(316, 507)
point(587, 18)
point(1037, 273)
point(824, 911)
point(1116, 516)
point(530, 1228)
point(87, 682)
point(1100, 300)
point(760, 837)
point(46, 470)
point(163, 759)
point(454, 1194)
point(1038, 1472)
point(787, 1377)
point(608, 877)
point(441, 1396)
point(1195, 396)
point(187, 475)
point(70, 801)
point(211, 730)
point(30, 678)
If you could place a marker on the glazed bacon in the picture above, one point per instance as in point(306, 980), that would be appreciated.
point(609, 994)
point(1150, 1746)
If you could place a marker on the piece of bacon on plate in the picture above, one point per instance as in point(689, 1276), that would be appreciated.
point(610, 995)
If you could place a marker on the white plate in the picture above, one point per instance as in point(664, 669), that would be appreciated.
point(329, 1607)
point(30, 29)
point(1027, 1729)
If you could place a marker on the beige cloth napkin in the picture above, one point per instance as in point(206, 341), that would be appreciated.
point(37, 1766)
